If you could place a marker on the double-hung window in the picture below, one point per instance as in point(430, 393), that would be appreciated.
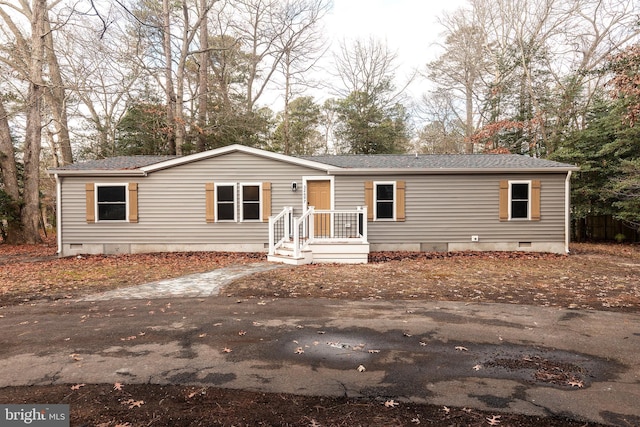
point(519, 199)
point(111, 202)
point(237, 202)
point(225, 202)
point(384, 200)
point(250, 202)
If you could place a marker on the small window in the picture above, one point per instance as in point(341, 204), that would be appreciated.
point(519, 200)
point(225, 202)
point(250, 202)
point(112, 202)
point(385, 200)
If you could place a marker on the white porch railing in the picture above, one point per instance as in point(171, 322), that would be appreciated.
point(280, 229)
point(317, 226)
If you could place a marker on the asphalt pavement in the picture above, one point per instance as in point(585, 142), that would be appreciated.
point(503, 357)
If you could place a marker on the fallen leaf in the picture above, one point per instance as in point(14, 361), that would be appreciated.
point(242, 333)
point(494, 420)
point(133, 403)
point(361, 368)
point(446, 410)
point(77, 386)
point(226, 350)
point(391, 404)
point(461, 348)
point(576, 383)
point(415, 420)
point(195, 393)
point(117, 386)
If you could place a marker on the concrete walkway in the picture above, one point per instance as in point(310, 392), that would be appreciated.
point(194, 285)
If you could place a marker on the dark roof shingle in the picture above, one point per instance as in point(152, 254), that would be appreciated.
point(116, 163)
point(436, 161)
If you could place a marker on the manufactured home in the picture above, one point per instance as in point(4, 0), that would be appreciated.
point(312, 209)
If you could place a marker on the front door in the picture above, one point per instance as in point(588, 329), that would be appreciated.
point(319, 196)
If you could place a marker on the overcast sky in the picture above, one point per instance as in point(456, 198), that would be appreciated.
point(407, 26)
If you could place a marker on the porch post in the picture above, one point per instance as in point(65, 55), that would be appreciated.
point(311, 221)
point(363, 209)
point(272, 236)
point(287, 223)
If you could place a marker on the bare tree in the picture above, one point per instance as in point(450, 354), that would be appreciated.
point(55, 92)
point(30, 214)
point(444, 132)
point(56, 95)
point(170, 93)
point(460, 69)
point(104, 76)
point(203, 76)
point(9, 174)
point(371, 116)
point(302, 45)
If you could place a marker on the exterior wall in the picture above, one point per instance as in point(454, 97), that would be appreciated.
point(171, 206)
point(444, 211)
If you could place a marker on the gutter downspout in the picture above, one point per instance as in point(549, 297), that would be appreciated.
point(58, 213)
point(567, 212)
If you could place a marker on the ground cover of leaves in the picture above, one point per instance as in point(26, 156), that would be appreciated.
point(106, 405)
point(601, 277)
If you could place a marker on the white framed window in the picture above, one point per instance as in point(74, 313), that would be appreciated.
point(250, 202)
point(112, 202)
point(225, 202)
point(384, 201)
point(519, 200)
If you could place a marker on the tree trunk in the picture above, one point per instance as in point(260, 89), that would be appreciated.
point(57, 99)
point(468, 129)
point(286, 134)
point(30, 214)
point(203, 84)
point(9, 175)
point(168, 86)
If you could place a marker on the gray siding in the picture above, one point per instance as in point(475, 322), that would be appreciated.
point(452, 208)
point(441, 210)
point(171, 203)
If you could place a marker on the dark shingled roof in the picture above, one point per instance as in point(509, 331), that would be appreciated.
point(436, 161)
point(354, 161)
point(116, 163)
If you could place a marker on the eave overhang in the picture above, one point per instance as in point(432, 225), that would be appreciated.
point(448, 171)
point(97, 172)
